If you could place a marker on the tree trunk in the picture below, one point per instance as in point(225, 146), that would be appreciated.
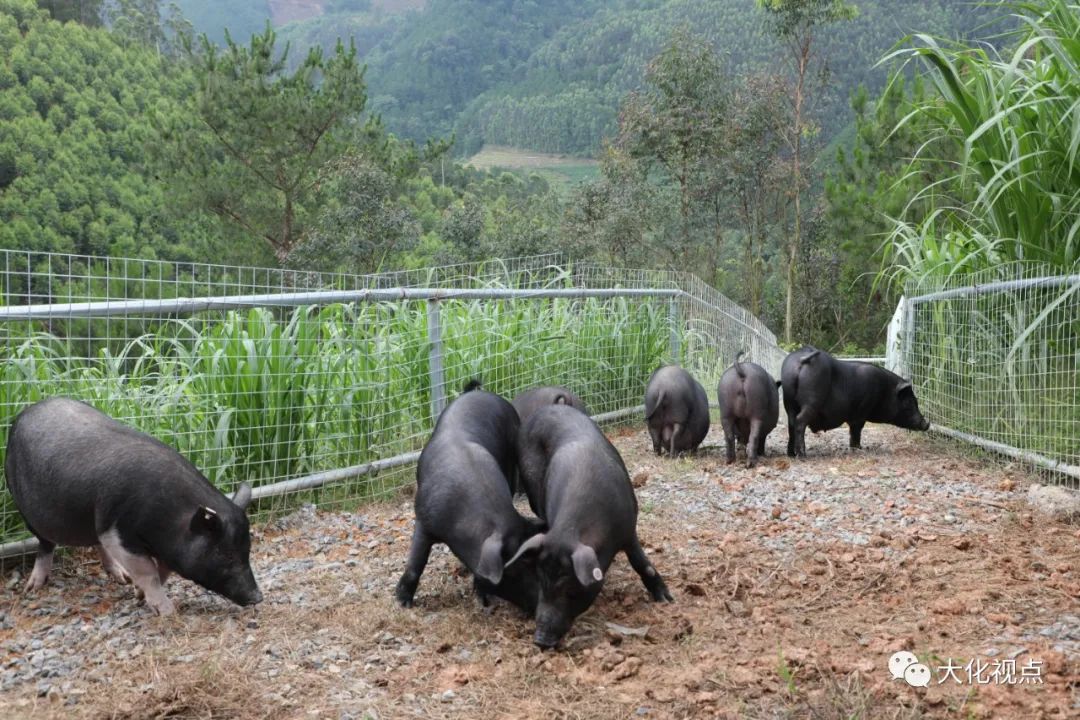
point(286, 245)
point(796, 179)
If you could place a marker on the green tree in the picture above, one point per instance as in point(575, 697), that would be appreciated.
point(84, 12)
point(149, 23)
point(361, 226)
point(796, 23)
point(678, 118)
point(744, 182)
point(249, 145)
point(614, 217)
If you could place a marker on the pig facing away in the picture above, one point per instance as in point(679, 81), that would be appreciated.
point(822, 393)
point(749, 408)
point(530, 401)
point(577, 484)
point(80, 478)
point(676, 410)
point(463, 500)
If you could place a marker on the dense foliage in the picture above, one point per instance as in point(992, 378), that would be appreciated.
point(74, 176)
point(1013, 121)
point(260, 396)
point(117, 141)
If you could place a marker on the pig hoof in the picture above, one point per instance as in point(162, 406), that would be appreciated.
point(35, 583)
point(164, 607)
point(662, 594)
point(405, 599)
point(120, 576)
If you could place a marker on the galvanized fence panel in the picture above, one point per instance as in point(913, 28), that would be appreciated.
point(323, 387)
point(995, 359)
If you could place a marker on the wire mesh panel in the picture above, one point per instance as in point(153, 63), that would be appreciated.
point(323, 387)
point(995, 359)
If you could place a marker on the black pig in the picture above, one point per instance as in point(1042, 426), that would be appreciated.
point(749, 408)
point(530, 401)
point(676, 410)
point(822, 393)
point(80, 478)
point(463, 499)
point(577, 483)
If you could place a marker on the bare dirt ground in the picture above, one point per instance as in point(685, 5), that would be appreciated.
point(794, 583)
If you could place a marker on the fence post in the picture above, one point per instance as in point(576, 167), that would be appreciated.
point(907, 341)
point(435, 360)
point(676, 336)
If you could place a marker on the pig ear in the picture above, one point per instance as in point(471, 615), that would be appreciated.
point(531, 545)
point(490, 567)
point(586, 566)
point(905, 385)
point(560, 400)
point(205, 520)
point(242, 497)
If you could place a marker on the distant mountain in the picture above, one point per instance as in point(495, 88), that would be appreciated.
point(549, 75)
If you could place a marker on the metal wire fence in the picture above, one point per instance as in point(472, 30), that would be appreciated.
point(995, 359)
point(323, 387)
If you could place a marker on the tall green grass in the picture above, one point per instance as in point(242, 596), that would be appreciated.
point(1015, 194)
point(264, 395)
point(1003, 365)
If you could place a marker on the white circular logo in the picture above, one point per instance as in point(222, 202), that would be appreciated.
point(899, 662)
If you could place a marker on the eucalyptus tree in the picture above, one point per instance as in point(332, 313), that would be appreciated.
point(796, 24)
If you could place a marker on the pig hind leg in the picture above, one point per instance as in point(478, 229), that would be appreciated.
point(792, 414)
point(42, 565)
point(728, 424)
point(419, 551)
point(755, 443)
point(143, 571)
point(802, 421)
point(645, 570)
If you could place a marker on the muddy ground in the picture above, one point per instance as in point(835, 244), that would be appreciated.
point(794, 584)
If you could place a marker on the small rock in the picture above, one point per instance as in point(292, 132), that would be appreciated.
point(448, 696)
point(1059, 503)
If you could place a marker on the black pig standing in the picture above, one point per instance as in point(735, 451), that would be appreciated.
point(676, 410)
point(749, 408)
point(577, 483)
point(81, 478)
point(822, 393)
point(463, 499)
point(530, 401)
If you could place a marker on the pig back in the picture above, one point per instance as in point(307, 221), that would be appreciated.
point(73, 472)
point(483, 418)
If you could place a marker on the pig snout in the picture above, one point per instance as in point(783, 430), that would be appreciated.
point(242, 589)
point(551, 625)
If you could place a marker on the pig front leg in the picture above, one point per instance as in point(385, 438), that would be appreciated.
point(42, 565)
point(143, 571)
point(655, 434)
point(855, 431)
point(419, 551)
point(676, 428)
point(651, 579)
point(112, 567)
